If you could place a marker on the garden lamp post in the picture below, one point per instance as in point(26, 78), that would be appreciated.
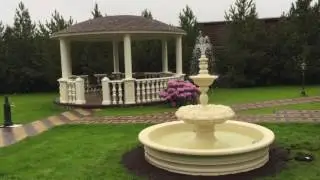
point(7, 112)
point(303, 69)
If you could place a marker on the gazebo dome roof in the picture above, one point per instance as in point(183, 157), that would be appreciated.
point(117, 25)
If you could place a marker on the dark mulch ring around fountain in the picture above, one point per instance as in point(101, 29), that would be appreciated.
point(135, 162)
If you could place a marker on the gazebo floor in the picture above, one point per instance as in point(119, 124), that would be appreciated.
point(94, 101)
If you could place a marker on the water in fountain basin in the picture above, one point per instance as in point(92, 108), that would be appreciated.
point(224, 140)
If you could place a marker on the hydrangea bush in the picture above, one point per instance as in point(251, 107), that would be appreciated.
point(179, 93)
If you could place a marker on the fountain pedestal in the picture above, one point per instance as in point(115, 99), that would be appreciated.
point(205, 133)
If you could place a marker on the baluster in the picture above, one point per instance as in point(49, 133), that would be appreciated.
point(114, 93)
point(146, 90)
point(120, 92)
point(87, 83)
point(163, 84)
point(73, 92)
point(149, 91)
point(138, 92)
point(69, 92)
point(155, 91)
point(158, 90)
point(143, 91)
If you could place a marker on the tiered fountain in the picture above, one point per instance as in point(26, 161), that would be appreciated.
point(206, 140)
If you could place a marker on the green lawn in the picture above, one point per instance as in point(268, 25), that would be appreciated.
point(247, 95)
point(31, 107)
point(271, 110)
point(94, 152)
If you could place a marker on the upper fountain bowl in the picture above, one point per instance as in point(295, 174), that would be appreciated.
point(203, 80)
point(205, 114)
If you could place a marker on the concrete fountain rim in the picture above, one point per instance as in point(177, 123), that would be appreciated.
point(268, 138)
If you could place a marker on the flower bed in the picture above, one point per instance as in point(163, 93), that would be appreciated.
point(179, 93)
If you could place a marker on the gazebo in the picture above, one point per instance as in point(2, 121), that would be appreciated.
point(117, 88)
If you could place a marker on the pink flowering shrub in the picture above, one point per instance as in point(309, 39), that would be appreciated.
point(180, 93)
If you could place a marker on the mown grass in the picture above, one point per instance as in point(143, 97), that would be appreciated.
point(95, 151)
point(31, 107)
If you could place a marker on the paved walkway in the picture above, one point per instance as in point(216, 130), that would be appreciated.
point(291, 116)
point(281, 116)
point(272, 103)
point(10, 136)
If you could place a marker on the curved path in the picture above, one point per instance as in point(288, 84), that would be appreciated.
point(10, 136)
point(281, 116)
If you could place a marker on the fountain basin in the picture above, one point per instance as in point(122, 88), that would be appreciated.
point(237, 147)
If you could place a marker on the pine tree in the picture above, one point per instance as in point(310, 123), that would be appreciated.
point(302, 41)
point(2, 56)
point(96, 12)
point(23, 26)
point(24, 69)
point(56, 23)
point(1, 29)
point(245, 57)
point(147, 14)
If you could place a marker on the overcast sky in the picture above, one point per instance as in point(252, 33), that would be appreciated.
point(163, 10)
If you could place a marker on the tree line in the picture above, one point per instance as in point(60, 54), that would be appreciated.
point(254, 55)
point(258, 54)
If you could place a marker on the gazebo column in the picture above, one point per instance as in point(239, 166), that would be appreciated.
point(115, 45)
point(65, 52)
point(129, 88)
point(164, 56)
point(179, 55)
point(66, 70)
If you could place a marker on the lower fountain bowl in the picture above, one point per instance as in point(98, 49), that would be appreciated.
point(237, 147)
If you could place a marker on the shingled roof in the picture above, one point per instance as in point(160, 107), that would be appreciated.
point(118, 24)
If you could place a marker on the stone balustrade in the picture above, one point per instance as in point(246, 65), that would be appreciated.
point(72, 91)
point(115, 91)
point(145, 90)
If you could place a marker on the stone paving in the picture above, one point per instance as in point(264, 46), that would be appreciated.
point(280, 116)
point(307, 116)
point(10, 136)
point(272, 103)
